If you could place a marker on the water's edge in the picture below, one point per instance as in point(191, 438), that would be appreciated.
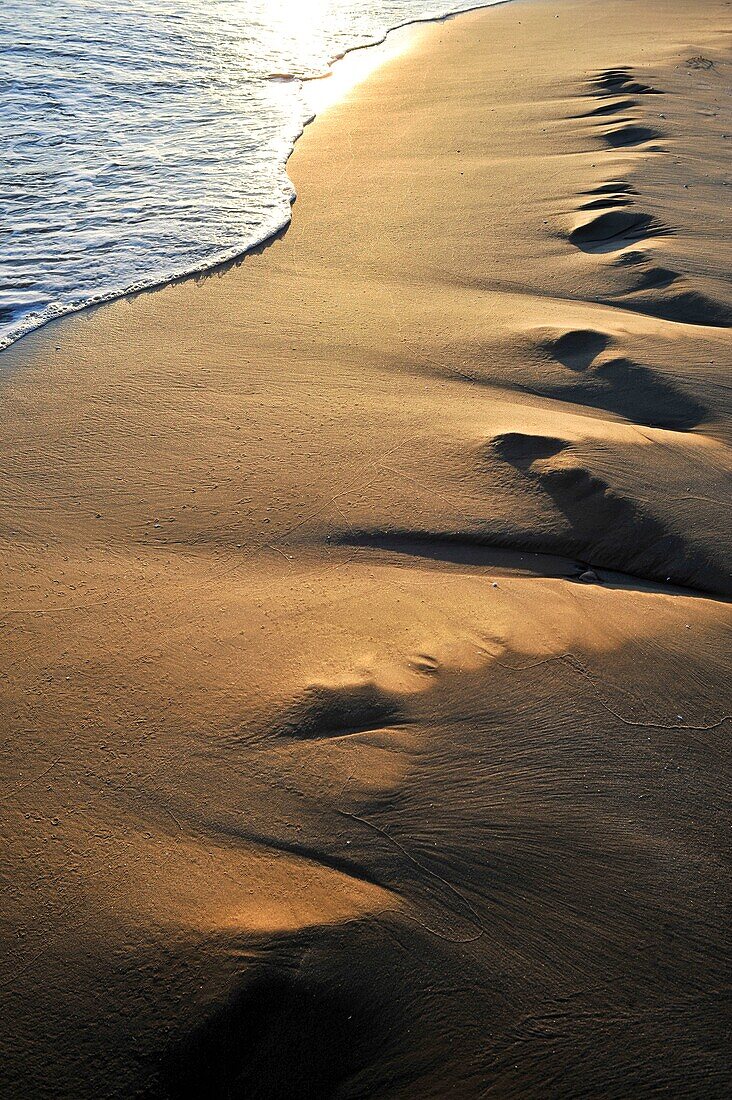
point(237, 254)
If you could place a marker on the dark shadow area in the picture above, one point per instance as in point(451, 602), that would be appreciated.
point(679, 303)
point(615, 229)
point(606, 203)
point(280, 1038)
point(612, 187)
point(523, 450)
point(614, 82)
point(523, 552)
point(629, 134)
point(339, 710)
point(632, 391)
point(578, 348)
point(611, 530)
point(611, 108)
point(476, 549)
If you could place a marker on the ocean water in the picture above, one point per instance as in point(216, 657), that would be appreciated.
point(146, 139)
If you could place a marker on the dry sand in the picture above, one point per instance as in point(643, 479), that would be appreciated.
point(324, 773)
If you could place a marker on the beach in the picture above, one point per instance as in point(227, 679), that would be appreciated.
point(365, 605)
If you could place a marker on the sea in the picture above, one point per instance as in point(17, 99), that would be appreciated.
point(147, 139)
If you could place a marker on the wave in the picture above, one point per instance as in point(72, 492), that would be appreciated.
point(87, 208)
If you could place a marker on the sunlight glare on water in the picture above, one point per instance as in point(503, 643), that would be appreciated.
point(148, 139)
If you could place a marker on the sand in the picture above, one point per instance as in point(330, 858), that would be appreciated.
point(365, 630)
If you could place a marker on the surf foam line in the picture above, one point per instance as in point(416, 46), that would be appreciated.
point(32, 322)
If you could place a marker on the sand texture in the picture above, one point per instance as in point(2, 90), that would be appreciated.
point(365, 624)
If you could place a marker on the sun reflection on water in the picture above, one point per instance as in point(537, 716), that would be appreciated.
point(355, 67)
point(148, 139)
point(300, 21)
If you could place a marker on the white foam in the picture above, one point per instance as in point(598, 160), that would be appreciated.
point(146, 141)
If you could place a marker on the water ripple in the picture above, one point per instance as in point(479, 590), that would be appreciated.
point(144, 140)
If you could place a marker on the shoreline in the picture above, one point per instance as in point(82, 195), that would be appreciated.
point(236, 256)
point(365, 609)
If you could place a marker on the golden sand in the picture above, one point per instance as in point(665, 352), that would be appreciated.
point(365, 633)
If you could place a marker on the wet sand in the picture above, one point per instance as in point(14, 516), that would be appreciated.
point(365, 622)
